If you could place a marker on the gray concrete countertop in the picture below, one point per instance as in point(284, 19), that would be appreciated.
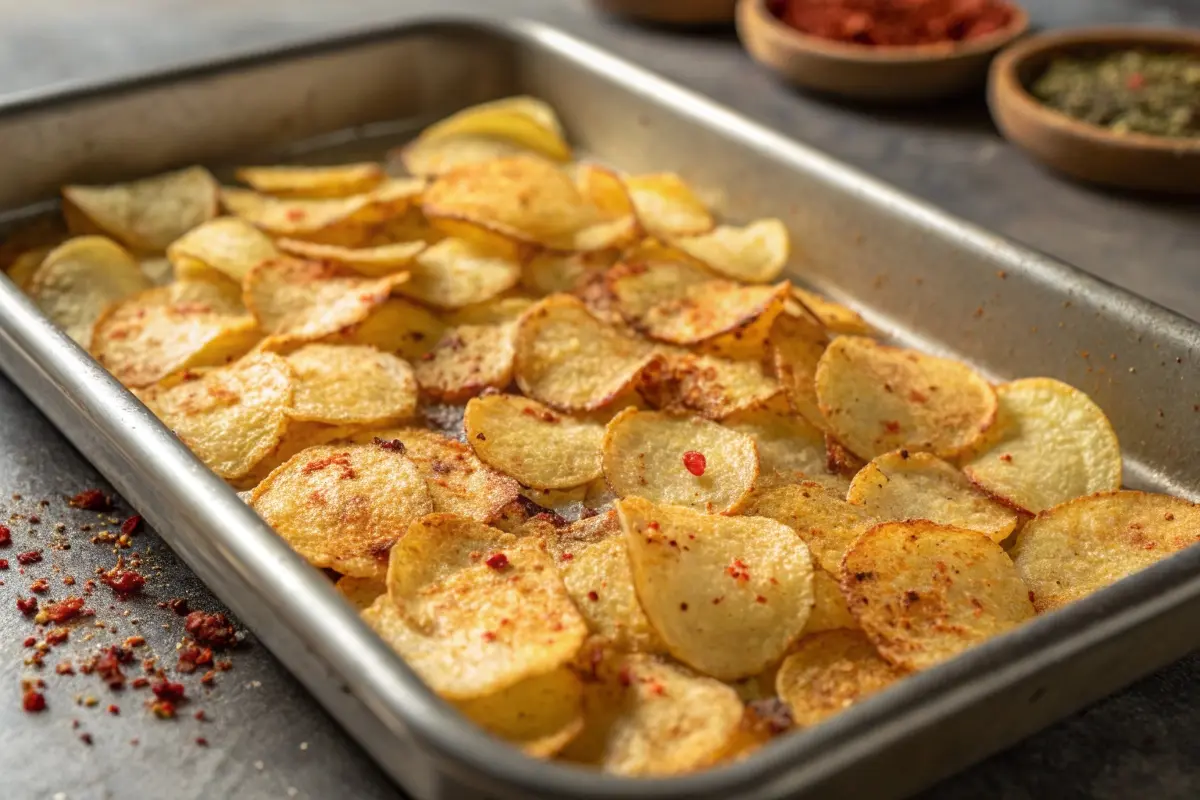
point(265, 736)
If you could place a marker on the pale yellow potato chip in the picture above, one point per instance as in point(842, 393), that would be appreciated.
point(790, 450)
point(151, 213)
point(498, 311)
point(728, 595)
point(829, 611)
point(568, 359)
point(433, 157)
point(453, 274)
point(154, 333)
point(755, 253)
point(605, 191)
point(309, 299)
point(826, 522)
point(480, 610)
point(343, 506)
point(297, 437)
point(228, 245)
point(1071, 550)
point(466, 361)
point(711, 386)
point(458, 481)
point(397, 326)
point(667, 207)
point(77, 280)
point(650, 454)
point(540, 715)
point(335, 181)
point(829, 672)
point(230, 417)
point(649, 717)
point(351, 385)
point(878, 398)
point(21, 270)
point(523, 122)
point(834, 316)
point(330, 220)
point(547, 272)
point(361, 592)
point(924, 592)
point(903, 485)
point(797, 344)
point(371, 261)
point(1050, 444)
point(157, 269)
point(539, 447)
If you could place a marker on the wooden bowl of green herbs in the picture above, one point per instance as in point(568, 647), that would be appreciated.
point(1111, 106)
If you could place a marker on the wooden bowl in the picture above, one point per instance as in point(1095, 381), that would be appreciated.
point(672, 12)
point(1084, 151)
point(862, 72)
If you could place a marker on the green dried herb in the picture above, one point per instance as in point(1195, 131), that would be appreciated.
point(1130, 91)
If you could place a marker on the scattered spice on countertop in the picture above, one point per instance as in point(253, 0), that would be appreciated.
point(131, 525)
point(5, 535)
point(91, 500)
point(212, 630)
point(888, 23)
point(123, 581)
point(1127, 91)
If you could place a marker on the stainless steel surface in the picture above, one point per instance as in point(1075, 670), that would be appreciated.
point(827, 206)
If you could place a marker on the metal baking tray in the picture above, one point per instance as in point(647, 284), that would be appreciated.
point(919, 274)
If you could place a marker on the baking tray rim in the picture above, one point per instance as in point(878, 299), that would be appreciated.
point(826, 748)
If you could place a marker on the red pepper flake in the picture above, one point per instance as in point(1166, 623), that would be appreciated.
point(123, 581)
point(56, 636)
point(1006, 458)
point(108, 666)
point(489, 636)
point(27, 605)
point(497, 561)
point(29, 557)
point(625, 675)
point(114, 709)
point(223, 666)
point(694, 462)
point(338, 459)
point(760, 599)
point(177, 604)
point(40, 586)
point(33, 701)
point(567, 556)
point(295, 214)
point(191, 657)
point(91, 500)
point(738, 571)
point(657, 688)
point(68, 580)
point(212, 630)
point(86, 738)
point(34, 519)
point(139, 682)
point(891, 426)
point(30, 641)
point(1136, 81)
point(593, 596)
point(131, 525)
point(134, 641)
point(163, 709)
point(63, 610)
point(395, 445)
point(5, 536)
point(199, 715)
point(201, 741)
point(167, 690)
point(3, 563)
point(208, 677)
point(64, 668)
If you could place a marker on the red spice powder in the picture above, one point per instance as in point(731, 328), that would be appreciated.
point(27, 605)
point(5, 535)
point(213, 630)
point(33, 701)
point(123, 581)
point(63, 610)
point(894, 23)
point(166, 690)
point(29, 557)
point(91, 500)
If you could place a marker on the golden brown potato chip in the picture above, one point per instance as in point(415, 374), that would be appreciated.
point(310, 299)
point(649, 717)
point(435, 157)
point(568, 359)
point(1083, 545)
point(458, 481)
point(713, 387)
point(829, 611)
point(1050, 444)
point(154, 333)
point(230, 417)
point(79, 279)
point(371, 261)
point(228, 245)
point(797, 344)
point(453, 274)
point(667, 207)
point(682, 461)
point(297, 437)
point(756, 253)
point(728, 595)
point(331, 220)
point(499, 311)
point(343, 506)
point(157, 269)
point(151, 213)
point(878, 398)
point(539, 447)
point(361, 592)
point(21, 270)
point(618, 225)
point(903, 485)
point(466, 361)
point(789, 448)
point(834, 316)
point(337, 181)
point(826, 522)
point(924, 592)
point(829, 672)
point(540, 715)
point(348, 385)
point(395, 326)
point(479, 609)
point(547, 272)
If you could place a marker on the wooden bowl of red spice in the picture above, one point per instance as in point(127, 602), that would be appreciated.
point(880, 50)
point(1112, 106)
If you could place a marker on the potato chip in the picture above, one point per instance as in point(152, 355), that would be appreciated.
point(309, 299)
point(498, 311)
point(438, 156)
point(540, 715)
point(466, 361)
point(154, 333)
point(297, 437)
point(826, 522)
point(683, 461)
point(148, 214)
point(566, 503)
point(1050, 444)
point(547, 272)
point(537, 446)
point(903, 485)
point(342, 180)
point(756, 253)
point(454, 273)
point(789, 448)
point(649, 717)
point(480, 610)
point(343, 506)
point(842, 461)
point(395, 326)
point(568, 359)
point(78, 279)
point(361, 592)
point(797, 344)
point(834, 316)
point(728, 595)
point(228, 245)
point(521, 123)
point(713, 387)
point(878, 398)
point(618, 226)
point(371, 261)
point(157, 269)
point(230, 417)
point(458, 481)
point(924, 592)
point(1081, 546)
point(829, 672)
point(21, 270)
point(329, 221)
point(344, 385)
point(666, 206)
point(829, 611)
